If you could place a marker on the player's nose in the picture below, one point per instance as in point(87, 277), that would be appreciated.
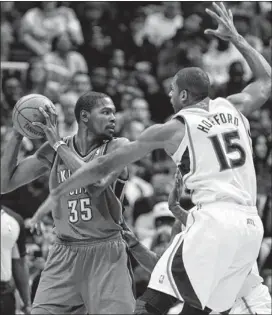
point(112, 118)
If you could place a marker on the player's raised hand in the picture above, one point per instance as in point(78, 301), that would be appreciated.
point(175, 195)
point(226, 29)
point(50, 128)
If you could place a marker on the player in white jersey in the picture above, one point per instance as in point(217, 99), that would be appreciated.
point(225, 226)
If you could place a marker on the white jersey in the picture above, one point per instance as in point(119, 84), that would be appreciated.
point(215, 155)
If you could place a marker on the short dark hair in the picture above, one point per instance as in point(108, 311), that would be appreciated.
point(87, 102)
point(195, 81)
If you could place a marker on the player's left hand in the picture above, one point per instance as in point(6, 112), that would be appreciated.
point(226, 29)
point(175, 195)
point(50, 128)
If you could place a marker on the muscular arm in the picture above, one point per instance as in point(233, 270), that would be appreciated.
point(151, 139)
point(257, 93)
point(14, 174)
point(180, 213)
point(74, 163)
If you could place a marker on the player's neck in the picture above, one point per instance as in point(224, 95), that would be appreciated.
point(86, 141)
point(201, 104)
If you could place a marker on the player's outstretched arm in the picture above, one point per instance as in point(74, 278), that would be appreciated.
point(152, 138)
point(257, 93)
point(14, 174)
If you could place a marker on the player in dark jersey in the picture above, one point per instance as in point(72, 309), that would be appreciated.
point(190, 93)
point(86, 270)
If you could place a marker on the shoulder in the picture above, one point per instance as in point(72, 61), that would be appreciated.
point(164, 131)
point(117, 143)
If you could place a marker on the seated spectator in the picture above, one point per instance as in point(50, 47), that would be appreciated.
point(162, 185)
point(12, 90)
point(236, 82)
point(67, 121)
point(158, 227)
point(154, 228)
point(37, 81)
point(141, 112)
point(7, 37)
point(99, 77)
point(80, 84)
point(161, 26)
point(63, 62)
point(41, 24)
point(218, 58)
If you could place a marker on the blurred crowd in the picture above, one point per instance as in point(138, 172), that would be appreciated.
point(129, 50)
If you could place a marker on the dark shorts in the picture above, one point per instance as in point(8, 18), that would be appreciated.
point(82, 278)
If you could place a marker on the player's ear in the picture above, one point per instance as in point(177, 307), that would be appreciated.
point(84, 115)
point(183, 95)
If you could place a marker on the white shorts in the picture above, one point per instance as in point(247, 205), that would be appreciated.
point(257, 302)
point(207, 264)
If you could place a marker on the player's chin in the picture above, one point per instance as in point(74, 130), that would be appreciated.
point(109, 133)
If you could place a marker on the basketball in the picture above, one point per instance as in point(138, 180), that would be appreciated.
point(26, 111)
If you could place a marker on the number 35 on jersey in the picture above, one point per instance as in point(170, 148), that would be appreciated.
point(80, 209)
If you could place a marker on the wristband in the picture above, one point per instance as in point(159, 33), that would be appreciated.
point(58, 144)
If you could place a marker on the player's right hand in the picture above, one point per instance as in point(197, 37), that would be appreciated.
point(226, 29)
point(50, 128)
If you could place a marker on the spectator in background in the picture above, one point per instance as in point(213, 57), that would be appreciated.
point(162, 187)
point(6, 31)
point(67, 121)
point(12, 90)
point(236, 81)
point(37, 81)
point(217, 60)
point(42, 23)
point(80, 84)
point(136, 187)
point(158, 226)
point(99, 77)
point(63, 62)
point(161, 26)
point(140, 110)
point(13, 263)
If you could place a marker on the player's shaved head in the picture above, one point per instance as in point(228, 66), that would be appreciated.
point(195, 81)
point(88, 101)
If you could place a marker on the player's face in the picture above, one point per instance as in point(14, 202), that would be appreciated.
point(174, 96)
point(102, 118)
